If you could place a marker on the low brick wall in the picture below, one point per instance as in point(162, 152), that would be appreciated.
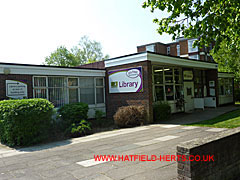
point(225, 147)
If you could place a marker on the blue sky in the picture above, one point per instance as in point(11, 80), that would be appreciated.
point(31, 30)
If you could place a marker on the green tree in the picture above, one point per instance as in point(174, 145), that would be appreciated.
point(87, 51)
point(61, 57)
point(228, 61)
point(208, 19)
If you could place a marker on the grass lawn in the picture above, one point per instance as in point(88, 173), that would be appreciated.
point(228, 120)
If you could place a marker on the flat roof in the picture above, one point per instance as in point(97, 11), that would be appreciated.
point(47, 66)
point(158, 58)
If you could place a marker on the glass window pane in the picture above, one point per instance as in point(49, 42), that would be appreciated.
point(179, 92)
point(176, 72)
point(87, 95)
point(72, 81)
point(168, 71)
point(40, 93)
point(73, 95)
point(169, 92)
point(100, 95)
point(159, 93)
point(168, 79)
point(39, 81)
point(56, 96)
point(178, 79)
point(158, 78)
point(86, 82)
point(99, 81)
point(55, 82)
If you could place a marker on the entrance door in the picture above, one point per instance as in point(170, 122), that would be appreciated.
point(188, 96)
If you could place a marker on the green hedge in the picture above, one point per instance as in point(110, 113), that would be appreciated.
point(73, 113)
point(25, 122)
point(161, 111)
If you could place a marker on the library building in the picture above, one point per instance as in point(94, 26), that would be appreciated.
point(184, 76)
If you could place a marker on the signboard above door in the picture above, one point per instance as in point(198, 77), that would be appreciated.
point(16, 89)
point(125, 80)
point(187, 75)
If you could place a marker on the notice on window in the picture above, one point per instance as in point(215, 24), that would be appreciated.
point(125, 80)
point(16, 89)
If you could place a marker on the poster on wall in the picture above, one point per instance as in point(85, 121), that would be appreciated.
point(125, 80)
point(16, 89)
point(187, 75)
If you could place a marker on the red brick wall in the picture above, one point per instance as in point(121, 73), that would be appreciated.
point(183, 47)
point(23, 78)
point(161, 49)
point(141, 49)
point(116, 100)
point(97, 65)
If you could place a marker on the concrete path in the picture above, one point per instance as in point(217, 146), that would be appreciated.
point(74, 159)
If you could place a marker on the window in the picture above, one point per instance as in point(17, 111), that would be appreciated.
point(100, 90)
point(73, 90)
point(150, 48)
point(178, 50)
point(195, 56)
point(40, 90)
point(168, 50)
point(190, 46)
point(225, 86)
point(56, 91)
point(62, 90)
point(198, 83)
point(167, 83)
point(87, 92)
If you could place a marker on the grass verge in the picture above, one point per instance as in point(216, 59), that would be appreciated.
point(227, 120)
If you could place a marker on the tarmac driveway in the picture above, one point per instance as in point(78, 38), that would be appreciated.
point(74, 159)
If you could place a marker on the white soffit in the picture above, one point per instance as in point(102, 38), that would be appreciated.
point(41, 70)
point(167, 60)
point(126, 60)
point(225, 75)
point(180, 62)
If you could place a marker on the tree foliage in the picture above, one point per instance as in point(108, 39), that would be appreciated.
point(61, 57)
point(228, 61)
point(87, 51)
point(208, 19)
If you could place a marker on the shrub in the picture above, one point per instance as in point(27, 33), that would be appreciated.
point(73, 113)
point(129, 116)
point(237, 94)
point(99, 118)
point(78, 129)
point(161, 111)
point(25, 122)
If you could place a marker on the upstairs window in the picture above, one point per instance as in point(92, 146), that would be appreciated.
point(178, 50)
point(195, 56)
point(150, 48)
point(168, 50)
point(190, 46)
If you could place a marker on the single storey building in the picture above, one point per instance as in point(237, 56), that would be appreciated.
point(136, 79)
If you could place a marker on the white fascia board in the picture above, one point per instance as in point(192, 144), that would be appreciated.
point(180, 62)
point(54, 71)
point(225, 75)
point(126, 60)
point(184, 55)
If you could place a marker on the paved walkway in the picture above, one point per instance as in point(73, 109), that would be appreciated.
point(73, 159)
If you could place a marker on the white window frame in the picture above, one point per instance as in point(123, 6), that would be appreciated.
point(46, 87)
point(73, 87)
point(150, 48)
point(178, 50)
point(168, 50)
point(192, 49)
